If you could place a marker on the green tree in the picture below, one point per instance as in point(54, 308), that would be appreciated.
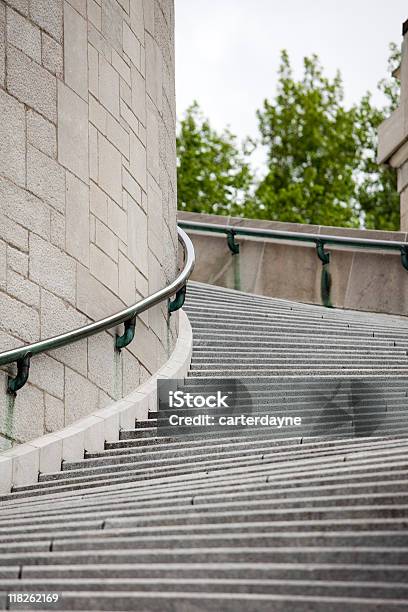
point(213, 174)
point(313, 150)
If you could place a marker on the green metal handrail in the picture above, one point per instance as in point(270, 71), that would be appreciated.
point(22, 355)
point(320, 240)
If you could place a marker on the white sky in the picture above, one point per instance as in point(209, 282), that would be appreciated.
point(227, 51)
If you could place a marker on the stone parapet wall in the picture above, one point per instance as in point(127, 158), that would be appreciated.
point(87, 198)
point(362, 279)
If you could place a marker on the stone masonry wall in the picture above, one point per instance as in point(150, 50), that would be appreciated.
point(87, 197)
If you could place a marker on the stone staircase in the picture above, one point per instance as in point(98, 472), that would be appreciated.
point(312, 518)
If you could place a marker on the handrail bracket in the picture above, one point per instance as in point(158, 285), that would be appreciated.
point(128, 335)
point(23, 370)
point(178, 300)
point(404, 256)
point(232, 244)
point(323, 255)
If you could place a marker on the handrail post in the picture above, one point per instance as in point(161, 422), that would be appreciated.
point(178, 301)
point(325, 279)
point(234, 248)
point(404, 256)
point(23, 370)
point(128, 335)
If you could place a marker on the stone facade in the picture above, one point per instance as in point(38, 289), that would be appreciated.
point(87, 197)
point(393, 134)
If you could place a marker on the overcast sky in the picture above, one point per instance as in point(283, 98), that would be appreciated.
point(227, 51)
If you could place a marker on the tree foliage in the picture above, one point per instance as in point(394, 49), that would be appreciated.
point(321, 156)
point(213, 174)
point(312, 150)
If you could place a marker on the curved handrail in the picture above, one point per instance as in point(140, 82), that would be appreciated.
point(127, 316)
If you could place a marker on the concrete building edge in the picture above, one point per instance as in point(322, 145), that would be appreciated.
point(22, 464)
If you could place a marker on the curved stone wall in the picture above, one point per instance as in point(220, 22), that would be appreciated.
point(87, 197)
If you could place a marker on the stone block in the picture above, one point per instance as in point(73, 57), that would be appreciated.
point(133, 189)
point(111, 421)
point(148, 13)
point(17, 261)
point(72, 443)
point(93, 71)
point(95, 14)
point(112, 23)
point(117, 220)
point(121, 66)
point(19, 5)
point(106, 240)
point(58, 317)
point(74, 355)
point(6, 474)
point(97, 115)
point(52, 56)
point(138, 161)
point(73, 132)
point(2, 44)
point(130, 371)
point(48, 16)
point(13, 233)
point(50, 453)
point(103, 268)
point(98, 202)
point(110, 169)
point(79, 5)
point(27, 416)
point(76, 51)
point(3, 265)
point(152, 133)
point(127, 289)
point(58, 229)
point(131, 46)
point(129, 117)
point(93, 154)
point(95, 299)
point(94, 435)
point(52, 269)
point(18, 319)
point(138, 95)
point(154, 82)
point(22, 207)
point(77, 219)
point(48, 374)
point(24, 35)
point(137, 237)
point(31, 84)
point(12, 139)
point(108, 86)
point(117, 135)
point(22, 289)
point(41, 133)
point(46, 178)
point(125, 92)
point(54, 413)
point(26, 464)
point(81, 396)
point(101, 363)
point(136, 19)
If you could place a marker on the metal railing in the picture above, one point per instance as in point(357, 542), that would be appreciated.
point(22, 355)
point(320, 240)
